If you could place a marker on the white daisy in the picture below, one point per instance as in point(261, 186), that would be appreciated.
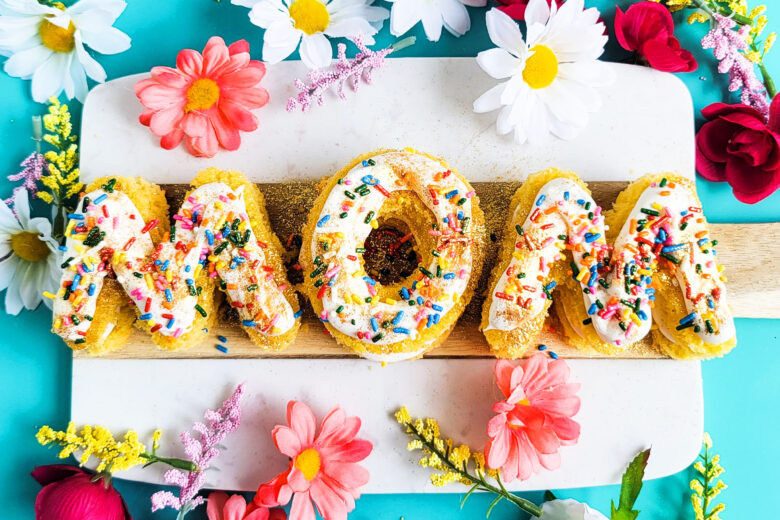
point(29, 256)
point(310, 23)
point(553, 73)
point(451, 14)
point(47, 44)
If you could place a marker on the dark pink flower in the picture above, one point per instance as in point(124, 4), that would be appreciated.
point(647, 28)
point(206, 99)
point(70, 493)
point(535, 418)
point(222, 507)
point(516, 8)
point(738, 146)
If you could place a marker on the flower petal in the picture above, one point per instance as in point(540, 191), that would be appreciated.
point(316, 51)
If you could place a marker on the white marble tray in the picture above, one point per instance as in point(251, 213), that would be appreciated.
point(646, 126)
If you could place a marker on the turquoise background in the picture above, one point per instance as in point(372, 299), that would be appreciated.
point(741, 391)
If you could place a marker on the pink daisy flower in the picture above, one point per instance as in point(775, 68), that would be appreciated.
point(323, 469)
point(534, 420)
point(206, 99)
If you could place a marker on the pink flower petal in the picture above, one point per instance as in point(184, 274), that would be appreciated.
point(172, 140)
point(297, 481)
point(205, 146)
point(301, 420)
point(159, 97)
point(751, 185)
point(215, 56)
point(497, 448)
point(287, 441)
point(215, 504)
point(238, 47)
point(190, 62)
point(234, 508)
point(329, 504)
point(302, 508)
point(163, 122)
point(237, 116)
point(194, 124)
point(347, 474)
point(353, 451)
point(503, 370)
point(243, 78)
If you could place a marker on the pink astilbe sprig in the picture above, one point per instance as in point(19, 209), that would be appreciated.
point(201, 450)
point(726, 44)
point(33, 168)
point(344, 71)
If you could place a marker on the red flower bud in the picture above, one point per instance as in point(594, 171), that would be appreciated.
point(648, 28)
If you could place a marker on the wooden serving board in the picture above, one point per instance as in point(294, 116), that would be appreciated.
point(754, 292)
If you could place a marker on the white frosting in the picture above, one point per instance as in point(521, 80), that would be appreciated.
point(345, 223)
point(620, 309)
point(160, 279)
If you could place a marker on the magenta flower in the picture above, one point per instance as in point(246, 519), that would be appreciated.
point(33, 168)
point(70, 493)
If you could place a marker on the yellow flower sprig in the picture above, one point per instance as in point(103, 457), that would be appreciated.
point(707, 484)
point(113, 455)
point(452, 462)
point(62, 177)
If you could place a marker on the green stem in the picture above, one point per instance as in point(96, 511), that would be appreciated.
point(479, 479)
point(769, 83)
point(185, 465)
point(711, 7)
point(402, 44)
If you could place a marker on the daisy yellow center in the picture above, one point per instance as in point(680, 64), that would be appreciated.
point(308, 462)
point(56, 38)
point(202, 94)
point(525, 402)
point(27, 246)
point(310, 16)
point(541, 68)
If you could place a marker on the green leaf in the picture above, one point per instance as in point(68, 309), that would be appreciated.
point(630, 488)
point(548, 496)
point(492, 505)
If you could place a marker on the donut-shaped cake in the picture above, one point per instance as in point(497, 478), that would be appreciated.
point(120, 246)
point(437, 210)
point(612, 276)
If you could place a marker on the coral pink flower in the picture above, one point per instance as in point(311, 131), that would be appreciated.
point(534, 420)
point(323, 468)
point(516, 8)
point(647, 27)
point(738, 146)
point(206, 99)
point(69, 493)
point(222, 507)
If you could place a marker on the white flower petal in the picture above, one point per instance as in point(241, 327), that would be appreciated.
point(17, 31)
point(8, 222)
point(93, 69)
point(432, 23)
point(24, 63)
point(110, 9)
point(316, 51)
point(265, 14)
point(30, 288)
point(49, 78)
point(350, 28)
point(78, 80)
point(490, 100)
point(25, 7)
point(22, 208)
point(7, 269)
point(248, 3)
point(505, 33)
point(499, 63)
point(403, 16)
point(537, 11)
point(455, 16)
point(108, 41)
point(569, 509)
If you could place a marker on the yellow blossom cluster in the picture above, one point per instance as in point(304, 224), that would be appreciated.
point(675, 5)
point(706, 486)
point(99, 442)
point(62, 176)
point(450, 461)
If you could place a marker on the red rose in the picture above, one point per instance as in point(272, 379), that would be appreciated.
point(737, 146)
point(648, 28)
point(69, 493)
point(515, 9)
